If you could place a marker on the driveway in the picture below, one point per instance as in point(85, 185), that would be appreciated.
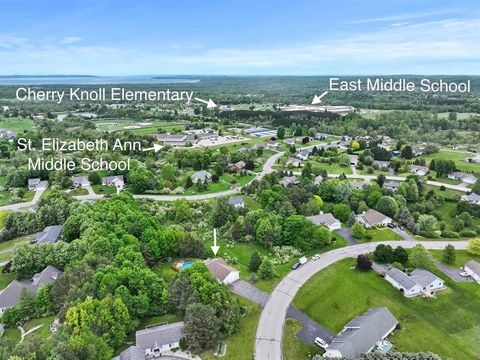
point(404, 234)
point(245, 289)
point(311, 329)
point(268, 339)
point(452, 273)
point(347, 235)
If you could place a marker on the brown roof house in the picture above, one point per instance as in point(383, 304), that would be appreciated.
point(223, 272)
point(373, 218)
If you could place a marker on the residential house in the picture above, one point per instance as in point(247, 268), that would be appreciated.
point(80, 181)
point(153, 341)
point(237, 202)
point(37, 184)
point(353, 160)
point(289, 141)
point(289, 180)
point(382, 165)
point(419, 170)
point(391, 185)
point(202, 176)
point(272, 143)
point(223, 272)
point(319, 136)
point(327, 220)
point(49, 235)
point(475, 159)
point(419, 282)
point(472, 268)
point(363, 334)
point(318, 179)
point(294, 162)
point(303, 155)
point(463, 177)
point(358, 185)
point(116, 181)
point(373, 218)
point(238, 166)
point(7, 134)
point(10, 296)
point(472, 198)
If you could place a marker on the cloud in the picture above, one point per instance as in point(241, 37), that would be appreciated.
point(446, 46)
point(406, 16)
point(70, 40)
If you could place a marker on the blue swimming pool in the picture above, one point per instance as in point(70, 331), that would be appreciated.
point(185, 265)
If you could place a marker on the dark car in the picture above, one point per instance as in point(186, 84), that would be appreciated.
point(296, 266)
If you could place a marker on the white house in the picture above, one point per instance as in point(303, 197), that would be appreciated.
point(80, 181)
point(303, 155)
point(223, 272)
point(419, 170)
point(294, 162)
point(156, 340)
point(373, 218)
point(463, 177)
point(116, 181)
point(383, 165)
point(472, 268)
point(419, 282)
point(202, 176)
point(363, 334)
point(327, 220)
point(289, 180)
point(391, 185)
point(471, 198)
point(37, 184)
point(353, 160)
point(237, 202)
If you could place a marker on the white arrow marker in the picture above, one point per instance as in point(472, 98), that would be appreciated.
point(316, 99)
point(210, 103)
point(215, 247)
point(155, 148)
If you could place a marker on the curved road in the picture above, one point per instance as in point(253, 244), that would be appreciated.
point(268, 340)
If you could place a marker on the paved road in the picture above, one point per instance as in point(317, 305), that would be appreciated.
point(24, 205)
point(268, 341)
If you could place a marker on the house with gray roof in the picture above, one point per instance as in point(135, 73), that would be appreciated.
point(303, 155)
point(383, 165)
point(221, 271)
point(391, 185)
point(202, 176)
point(463, 177)
point(358, 185)
point(472, 198)
point(472, 268)
point(363, 334)
point(10, 296)
point(237, 202)
point(294, 162)
point(289, 180)
point(80, 181)
point(117, 181)
point(152, 341)
point(419, 282)
point(373, 218)
point(49, 235)
point(37, 184)
point(327, 220)
point(419, 170)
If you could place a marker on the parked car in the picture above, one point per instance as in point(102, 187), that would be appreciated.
point(302, 260)
point(320, 342)
point(464, 274)
point(315, 257)
point(390, 226)
point(296, 266)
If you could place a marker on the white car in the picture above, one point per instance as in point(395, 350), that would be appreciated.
point(315, 257)
point(464, 274)
point(320, 342)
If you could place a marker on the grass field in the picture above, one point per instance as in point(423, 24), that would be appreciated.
point(102, 189)
point(17, 125)
point(462, 257)
point(331, 168)
point(383, 234)
point(443, 325)
point(11, 243)
point(3, 218)
point(457, 157)
point(6, 279)
point(293, 348)
point(6, 197)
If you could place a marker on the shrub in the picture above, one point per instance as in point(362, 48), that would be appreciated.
point(364, 262)
point(468, 233)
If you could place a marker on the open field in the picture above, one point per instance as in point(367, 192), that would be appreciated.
point(442, 325)
point(457, 157)
point(17, 125)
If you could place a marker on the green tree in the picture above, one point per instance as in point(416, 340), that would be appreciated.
point(358, 231)
point(266, 271)
point(202, 327)
point(255, 261)
point(387, 205)
point(94, 178)
point(140, 180)
point(449, 254)
point(44, 302)
point(474, 246)
point(281, 132)
point(419, 257)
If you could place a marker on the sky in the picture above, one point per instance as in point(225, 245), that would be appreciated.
point(240, 37)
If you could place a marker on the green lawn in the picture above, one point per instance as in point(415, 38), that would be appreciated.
point(78, 192)
point(11, 243)
point(240, 345)
point(6, 279)
point(102, 189)
point(462, 257)
point(457, 157)
point(212, 188)
point(6, 197)
point(12, 334)
point(331, 168)
point(15, 124)
point(293, 348)
point(383, 234)
point(442, 325)
point(3, 218)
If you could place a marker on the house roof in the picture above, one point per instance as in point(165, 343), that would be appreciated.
point(418, 167)
point(133, 353)
point(423, 277)
point(202, 174)
point(363, 332)
point(171, 137)
point(323, 219)
point(83, 180)
point(391, 185)
point(358, 184)
point(159, 335)
point(463, 176)
point(113, 179)
point(472, 197)
point(219, 268)
point(289, 180)
point(49, 235)
point(10, 296)
point(33, 182)
point(400, 277)
point(373, 217)
point(236, 201)
point(474, 266)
